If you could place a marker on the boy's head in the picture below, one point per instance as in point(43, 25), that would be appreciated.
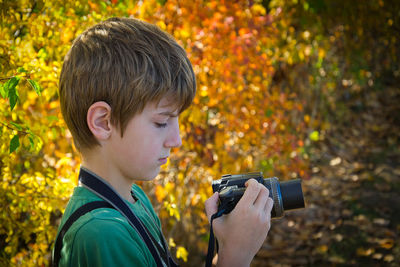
point(126, 63)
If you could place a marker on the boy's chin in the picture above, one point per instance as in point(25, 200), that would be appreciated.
point(149, 176)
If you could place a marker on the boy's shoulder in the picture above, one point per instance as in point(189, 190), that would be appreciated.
point(89, 226)
point(104, 237)
point(105, 229)
point(82, 196)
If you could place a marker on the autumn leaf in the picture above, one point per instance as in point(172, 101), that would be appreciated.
point(182, 253)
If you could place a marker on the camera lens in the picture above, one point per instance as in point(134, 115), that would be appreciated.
point(287, 195)
point(292, 194)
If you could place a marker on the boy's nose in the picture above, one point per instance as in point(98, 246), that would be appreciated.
point(177, 141)
point(174, 139)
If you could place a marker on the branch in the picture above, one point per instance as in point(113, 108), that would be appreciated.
point(27, 76)
point(11, 128)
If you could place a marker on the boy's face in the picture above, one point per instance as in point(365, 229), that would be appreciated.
point(146, 142)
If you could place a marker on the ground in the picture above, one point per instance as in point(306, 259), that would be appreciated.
point(352, 214)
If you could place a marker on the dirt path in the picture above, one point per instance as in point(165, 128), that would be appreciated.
point(353, 196)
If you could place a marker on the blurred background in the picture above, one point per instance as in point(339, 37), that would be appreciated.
point(293, 88)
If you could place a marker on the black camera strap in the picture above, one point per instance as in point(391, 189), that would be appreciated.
point(212, 240)
point(113, 199)
point(82, 210)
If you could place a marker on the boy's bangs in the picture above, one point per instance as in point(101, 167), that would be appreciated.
point(179, 87)
point(184, 93)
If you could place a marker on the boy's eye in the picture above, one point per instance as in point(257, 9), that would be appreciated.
point(160, 125)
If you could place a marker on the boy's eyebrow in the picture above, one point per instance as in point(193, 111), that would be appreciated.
point(169, 113)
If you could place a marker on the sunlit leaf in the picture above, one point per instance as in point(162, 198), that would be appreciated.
point(35, 85)
point(10, 86)
point(182, 253)
point(16, 125)
point(2, 91)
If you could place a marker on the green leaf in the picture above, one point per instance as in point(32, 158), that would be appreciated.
point(42, 53)
point(306, 6)
point(39, 5)
point(2, 91)
point(21, 70)
point(14, 143)
point(13, 97)
point(10, 84)
point(162, 2)
point(31, 141)
point(103, 5)
point(52, 118)
point(268, 113)
point(35, 85)
point(16, 125)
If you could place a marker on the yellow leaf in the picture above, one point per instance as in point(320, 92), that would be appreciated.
point(171, 243)
point(386, 243)
point(321, 53)
point(182, 253)
point(314, 136)
point(365, 252)
point(160, 193)
point(307, 118)
point(322, 249)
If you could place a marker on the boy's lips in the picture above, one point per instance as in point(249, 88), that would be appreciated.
point(163, 160)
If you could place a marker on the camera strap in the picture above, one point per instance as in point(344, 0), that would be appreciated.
point(107, 193)
point(82, 210)
point(212, 240)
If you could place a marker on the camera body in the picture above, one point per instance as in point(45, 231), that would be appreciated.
point(286, 195)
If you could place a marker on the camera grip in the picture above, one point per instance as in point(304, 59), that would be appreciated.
point(229, 197)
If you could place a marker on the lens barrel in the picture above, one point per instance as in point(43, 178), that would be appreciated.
point(275, 193)
point(292, 194)
point(287, 195)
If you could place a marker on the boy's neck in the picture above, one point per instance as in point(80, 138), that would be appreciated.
point(120, 184)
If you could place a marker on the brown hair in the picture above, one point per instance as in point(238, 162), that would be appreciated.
point(126, 63)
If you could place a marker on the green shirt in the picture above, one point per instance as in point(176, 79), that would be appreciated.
point(103, 237)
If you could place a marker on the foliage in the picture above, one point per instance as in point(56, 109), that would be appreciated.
point(356, 44)
point(271, 76)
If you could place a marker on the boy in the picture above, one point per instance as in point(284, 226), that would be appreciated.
point(123, 84)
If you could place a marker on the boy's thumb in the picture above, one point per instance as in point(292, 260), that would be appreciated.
point(211, 205)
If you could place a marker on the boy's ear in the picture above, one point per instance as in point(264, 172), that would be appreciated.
point(99, 120)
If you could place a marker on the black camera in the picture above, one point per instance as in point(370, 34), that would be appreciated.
point(287, 195)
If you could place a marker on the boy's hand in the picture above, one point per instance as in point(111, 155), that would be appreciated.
point(241, 233)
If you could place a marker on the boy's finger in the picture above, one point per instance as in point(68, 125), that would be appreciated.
point(252, 191)
point(262, 198)
point(211, 205)
point(269, 205)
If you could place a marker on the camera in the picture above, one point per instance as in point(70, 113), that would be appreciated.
point(287, 195)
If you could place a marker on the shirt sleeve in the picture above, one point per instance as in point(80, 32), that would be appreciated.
point(105, 242)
